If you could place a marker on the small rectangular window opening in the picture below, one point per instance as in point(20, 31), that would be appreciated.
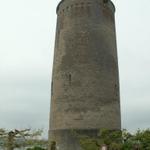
point(105, 1)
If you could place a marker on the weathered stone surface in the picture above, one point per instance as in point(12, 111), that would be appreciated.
point(85, 83)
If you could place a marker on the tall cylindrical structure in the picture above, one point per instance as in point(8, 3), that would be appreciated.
point(85, 82)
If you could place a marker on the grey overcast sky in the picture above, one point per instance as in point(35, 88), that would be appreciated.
point(27, 34)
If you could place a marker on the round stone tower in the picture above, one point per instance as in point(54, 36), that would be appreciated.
point(85, 82)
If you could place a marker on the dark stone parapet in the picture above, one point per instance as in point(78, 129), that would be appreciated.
point(57, 9)
point(73, 3)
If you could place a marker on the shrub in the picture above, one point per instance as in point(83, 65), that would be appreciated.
point(36, 148)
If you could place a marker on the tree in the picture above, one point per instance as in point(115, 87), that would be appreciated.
point(111, 138)
point(18, 138)
point(117, 140)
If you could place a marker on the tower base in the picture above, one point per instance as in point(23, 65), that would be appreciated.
point(70, 139)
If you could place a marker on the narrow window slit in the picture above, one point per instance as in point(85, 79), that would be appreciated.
point(70, 79)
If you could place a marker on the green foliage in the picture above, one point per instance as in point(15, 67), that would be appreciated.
point(117, 140)
point(89, 143)
point(21, 138)
point(109, 137)
point(142, 138)
point(36, 148)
